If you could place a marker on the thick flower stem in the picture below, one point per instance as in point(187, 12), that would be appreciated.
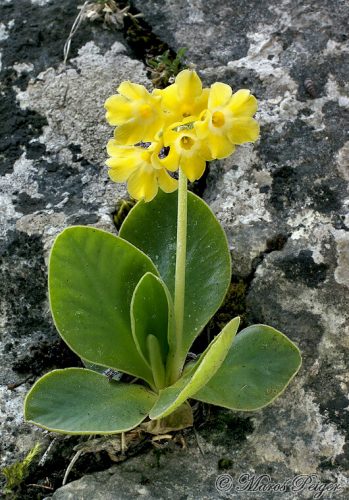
point(181, 252)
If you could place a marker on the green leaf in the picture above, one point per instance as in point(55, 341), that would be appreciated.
point(152, 227)
point(92, 275)
point(81, 401)
point(260, 364)
point(152, 313)
point(156, 363)
point(196, 377)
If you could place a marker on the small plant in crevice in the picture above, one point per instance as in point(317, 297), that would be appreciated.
point(136, 302)
point(109, 12)
point(165, 67)
point(17, 472)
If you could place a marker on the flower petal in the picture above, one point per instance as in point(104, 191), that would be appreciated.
point(120, 169)
point(193, 167)
point(242, 103)
point(115, 149)
point(133, 91)
point(171, 161)
point(220, 94)
point(201, 126)
point(142, 184)
point(244, 129)
point(169, 98)
point(118, 109)
point(167, 183)
point(189, 85)
point(205, 152)
point(220, 146)
point(201, 102)
point(130, 132)
point(152, 129)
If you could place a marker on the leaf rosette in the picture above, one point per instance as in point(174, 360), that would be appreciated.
point(111, 301)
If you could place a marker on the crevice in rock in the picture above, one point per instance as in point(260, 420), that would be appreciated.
point(275, 243)
point(23, 284)
point(140, 37)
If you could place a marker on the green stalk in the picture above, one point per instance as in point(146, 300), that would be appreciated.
point(179, 296)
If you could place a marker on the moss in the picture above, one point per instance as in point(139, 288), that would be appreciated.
point(224, 426)
point(233, 305)
point(224, 463)
point(17, 472)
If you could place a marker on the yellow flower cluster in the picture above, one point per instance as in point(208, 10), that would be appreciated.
point(182, 126)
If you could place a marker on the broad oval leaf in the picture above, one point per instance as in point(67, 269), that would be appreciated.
point(195, 378)
point(260, 364)
point(152, 314)
point(152, 227)
point(92, 275)
point(81, 401)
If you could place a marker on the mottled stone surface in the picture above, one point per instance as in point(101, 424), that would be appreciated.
point(52, 176)
point(283, 203)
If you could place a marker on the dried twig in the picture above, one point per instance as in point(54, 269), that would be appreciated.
point(161, 437)
point(41, 486)
point(71, 465)
point(198, 442)
point(73, 30)
point(13, 386)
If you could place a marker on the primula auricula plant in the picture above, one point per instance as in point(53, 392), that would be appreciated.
point(136, 302)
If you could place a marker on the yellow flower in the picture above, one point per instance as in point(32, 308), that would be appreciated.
point(136, 113)
point(228, 120)
point(142, 169)
point(186, 150)
point(193, 124)
point(184, 98)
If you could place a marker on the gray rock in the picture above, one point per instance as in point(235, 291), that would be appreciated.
point(216, 463)
point(58, 180)
point(220, 31)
